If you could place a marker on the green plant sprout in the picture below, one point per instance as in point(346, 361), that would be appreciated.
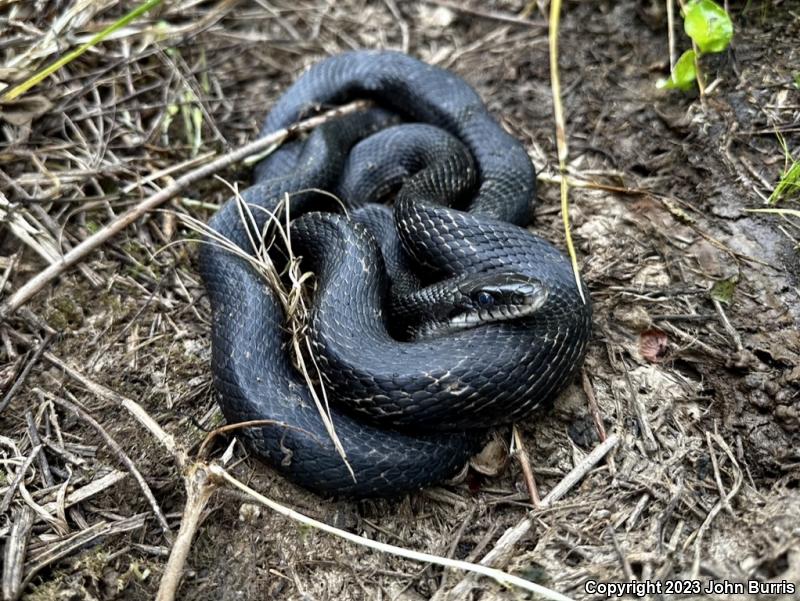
point(683, 75)
point(39, 76)
point(789, 183)
point(710, 28)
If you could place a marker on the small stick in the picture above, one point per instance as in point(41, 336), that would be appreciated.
point(80, 251)
point(650, 443)
point(502, 577)
point(593, 408)
point(695, 341)
point(203, 451)
point(717, 476)
point(737, 340)
point(626, 565)
point(671, 33)
point(86, 492)
point(118, 451)
point(14, 556)
point(492, 16)
point(44, 466)
point(6, 503)
point(513, 535)
point(637, 511)
point(199, 488)
point(24, 374)
point(525, 464)
point(66, 455)
point(577, 473)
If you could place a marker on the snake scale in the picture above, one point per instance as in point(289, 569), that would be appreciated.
point(431, 319)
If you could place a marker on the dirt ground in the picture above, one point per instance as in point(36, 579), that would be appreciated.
point(694, 361)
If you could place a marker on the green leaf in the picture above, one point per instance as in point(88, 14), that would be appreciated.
point(722, 290)
point(707, 23)
point(683, 75)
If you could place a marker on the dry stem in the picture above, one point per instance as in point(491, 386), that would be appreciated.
point(82, 250)
point(513, 535)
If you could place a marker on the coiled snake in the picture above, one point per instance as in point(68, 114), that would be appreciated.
point(429, 323)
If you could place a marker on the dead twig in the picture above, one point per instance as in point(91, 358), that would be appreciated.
point(85, 492)
point(44, 466)
point(513, 535)
point(594, 409)
point(497, 575)
point(103, 235)
point(199, 488)
point(577, 473)
point(81, 413)
point(80, 540)
point(525, 463)
point(202, 453)
point(20, 475)
point(16, 546)
point(24, 374)
point(626, 565)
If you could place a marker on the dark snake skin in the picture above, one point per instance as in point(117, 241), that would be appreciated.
point(408, 412)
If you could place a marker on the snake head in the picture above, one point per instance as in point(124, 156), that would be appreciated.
point(493, 297)
point(472, 300)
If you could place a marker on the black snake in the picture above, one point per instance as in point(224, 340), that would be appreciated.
point(497, 323)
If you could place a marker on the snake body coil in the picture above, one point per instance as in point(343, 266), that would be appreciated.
point(499, 326)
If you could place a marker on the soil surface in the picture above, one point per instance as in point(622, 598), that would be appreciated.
point(694, 362)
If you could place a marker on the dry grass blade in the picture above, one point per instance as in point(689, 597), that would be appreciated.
point(103, 235)
point(290, 295)
point(78, 541)
point(16, 546)
point(722, 503)
point(29, 231)
point(783, 212)
point(499, 576)
point(20, 380)
point(17, 481)
point(561, 137)
point(26, 85)
point(117, 450)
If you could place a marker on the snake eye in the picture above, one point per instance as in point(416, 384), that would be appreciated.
point(484, 299)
